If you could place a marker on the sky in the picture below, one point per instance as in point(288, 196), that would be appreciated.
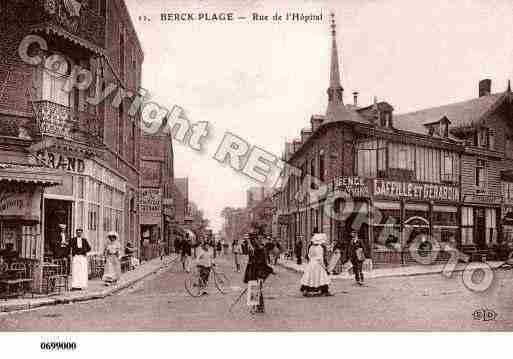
point(262, 80)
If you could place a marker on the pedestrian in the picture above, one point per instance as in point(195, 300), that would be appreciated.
point(219, 247)
point(112, 252)
point(236, 250)
point(61, 249)
point(79, 247)
point(162, 249)
point(257, 269)
point(225, 246)
point(298, 249)
point(276, 251)
point(204, 262)
point(337, 256)
point(245, 245)
point(186, 252)
point(356, 256)
point(315, 278)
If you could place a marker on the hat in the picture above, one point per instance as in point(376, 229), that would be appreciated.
point(62, 226)
point(319, 238)
point(112, 234)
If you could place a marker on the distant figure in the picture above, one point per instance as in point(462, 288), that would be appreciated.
point(298, 249)
point(276, 251)
point(186, 252)
point(219, 247)
point(237, 251)
point(61, 249)
point(225, 246)
point(204, 262)
point(357, 256)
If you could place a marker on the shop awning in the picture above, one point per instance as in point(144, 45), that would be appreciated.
point(21, 173)
point(50, 28)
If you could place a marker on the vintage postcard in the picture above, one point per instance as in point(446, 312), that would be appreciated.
point(242, 166)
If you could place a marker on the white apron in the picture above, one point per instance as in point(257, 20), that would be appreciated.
point(315, 275)
point(79, 272)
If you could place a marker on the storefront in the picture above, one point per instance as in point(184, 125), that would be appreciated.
point(151, 221)
point(91, 197)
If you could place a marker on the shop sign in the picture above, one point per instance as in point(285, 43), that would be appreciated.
point(63, 162)
point(151, 202)
point(482, 198)
point(415, 190)
point(354, 186)
point(24, 204)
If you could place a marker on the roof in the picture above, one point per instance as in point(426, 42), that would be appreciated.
point(460, 114)
point(25, 173)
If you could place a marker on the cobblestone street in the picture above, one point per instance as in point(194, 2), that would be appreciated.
point(160, 303)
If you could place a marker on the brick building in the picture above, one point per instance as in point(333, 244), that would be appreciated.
point(156, 200)
point(442, 173)
point(93, 147)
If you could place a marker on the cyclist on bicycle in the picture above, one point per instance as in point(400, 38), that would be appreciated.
point(204, 262)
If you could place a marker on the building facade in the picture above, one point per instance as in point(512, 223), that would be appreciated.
point(93, 144)
point(399, 180)
point(156, 201)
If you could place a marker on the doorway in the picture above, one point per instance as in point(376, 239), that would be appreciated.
point(56, 212)
point(480, 228)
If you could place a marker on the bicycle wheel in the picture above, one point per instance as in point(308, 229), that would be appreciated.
point(222, 282)
point(193, 284)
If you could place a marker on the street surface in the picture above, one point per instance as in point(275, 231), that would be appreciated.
point(160, 303)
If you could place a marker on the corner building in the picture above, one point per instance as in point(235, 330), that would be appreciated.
point(443, 172)
point(94, 148)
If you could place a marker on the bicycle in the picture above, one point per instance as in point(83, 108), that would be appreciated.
point(194, 283)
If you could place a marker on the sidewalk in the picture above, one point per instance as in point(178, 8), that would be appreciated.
point(96, 288)
point(389, 272)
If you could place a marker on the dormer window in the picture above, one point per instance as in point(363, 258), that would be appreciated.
point(484, 138)
point(385, 119)
point(439, 128)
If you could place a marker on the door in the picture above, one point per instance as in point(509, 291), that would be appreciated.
point(56, 213)
point(480, 228)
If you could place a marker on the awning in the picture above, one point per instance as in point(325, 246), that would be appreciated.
point(21, 173)
point(50, 28)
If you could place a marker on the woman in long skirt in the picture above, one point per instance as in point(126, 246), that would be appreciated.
point(112, 270)
point(315, 279)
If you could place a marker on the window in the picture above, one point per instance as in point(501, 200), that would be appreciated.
point(122, 56)
point(485, 138)
point(481, 174)
point(467, 225)
point(321, 167)
point(491, 226)
point(366, 159)
point(54, 83)
point(102, 6)
point(508, 148)
point(121, 125)
point(402, 159)
point(447, 168)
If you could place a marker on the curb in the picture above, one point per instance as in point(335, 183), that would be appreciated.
point(43, 302)
point(414, 274)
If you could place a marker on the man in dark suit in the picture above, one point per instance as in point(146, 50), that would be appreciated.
point(356, 256)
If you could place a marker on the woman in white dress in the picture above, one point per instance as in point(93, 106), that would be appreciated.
point(112, 270)
point(315, 279)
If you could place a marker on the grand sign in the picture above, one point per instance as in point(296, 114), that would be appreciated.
point(63, 162)
point(354, 186)
point(415, 190)
point(151, 202)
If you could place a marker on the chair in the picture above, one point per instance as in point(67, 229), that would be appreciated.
point(59, 279)
point(16, 283)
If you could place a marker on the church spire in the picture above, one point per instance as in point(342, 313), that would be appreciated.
point(335, 90)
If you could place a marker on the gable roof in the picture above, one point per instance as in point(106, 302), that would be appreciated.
point(460, 114)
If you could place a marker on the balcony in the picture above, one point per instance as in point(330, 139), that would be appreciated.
point(60, 121)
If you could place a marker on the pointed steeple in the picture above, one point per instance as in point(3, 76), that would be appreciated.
point(335, 90)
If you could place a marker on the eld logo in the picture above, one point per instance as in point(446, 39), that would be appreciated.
point(484, 314)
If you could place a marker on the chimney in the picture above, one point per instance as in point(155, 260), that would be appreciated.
point(316, 121)
point(485, 87)
point(355, 98)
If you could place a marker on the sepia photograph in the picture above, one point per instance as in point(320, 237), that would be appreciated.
point(176, 166)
